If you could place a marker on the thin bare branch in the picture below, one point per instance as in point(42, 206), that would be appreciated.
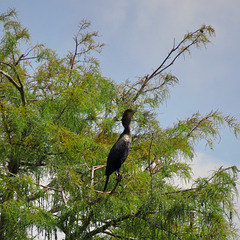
point(166, 63)
point(10, 79)
point(110, 223)
point(64, 197)
point(198, 124)
point(18, 86)
point(110, 233)
point(89, 169)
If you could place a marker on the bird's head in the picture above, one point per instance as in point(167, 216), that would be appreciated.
point(127, 116)
point(129, 112)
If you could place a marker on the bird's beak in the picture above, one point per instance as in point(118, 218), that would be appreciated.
point(132, 113)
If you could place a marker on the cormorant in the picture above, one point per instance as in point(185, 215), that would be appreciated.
point(120, 149)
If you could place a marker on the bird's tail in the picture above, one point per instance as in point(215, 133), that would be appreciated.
point(106, 183)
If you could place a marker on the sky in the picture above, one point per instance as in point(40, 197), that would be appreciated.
point(138, 35)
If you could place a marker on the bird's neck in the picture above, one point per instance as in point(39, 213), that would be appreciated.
point(127, 130)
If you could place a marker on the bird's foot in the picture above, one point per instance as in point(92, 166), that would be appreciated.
point(119, 176)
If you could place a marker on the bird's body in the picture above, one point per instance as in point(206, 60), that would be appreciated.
point(120, 149)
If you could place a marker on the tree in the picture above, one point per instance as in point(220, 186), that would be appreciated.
point(59, 118)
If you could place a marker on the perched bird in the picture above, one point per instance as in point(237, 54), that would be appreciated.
point(120, 149)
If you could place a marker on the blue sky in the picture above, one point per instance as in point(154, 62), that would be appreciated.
point(138, 35)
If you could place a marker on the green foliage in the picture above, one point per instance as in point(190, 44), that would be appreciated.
point(59, 118)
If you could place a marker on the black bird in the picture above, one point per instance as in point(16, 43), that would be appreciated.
point(120, 149)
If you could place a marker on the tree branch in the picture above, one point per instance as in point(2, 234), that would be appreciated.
point(19, 87)
point(118, 236)
point(194, 38)
point(116, 221)
point(10, 79)
point(149, 162)
point(110, 223)
point(198, 124)
point(101, 192)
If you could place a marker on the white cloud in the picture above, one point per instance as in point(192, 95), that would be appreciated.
point(203, 164)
